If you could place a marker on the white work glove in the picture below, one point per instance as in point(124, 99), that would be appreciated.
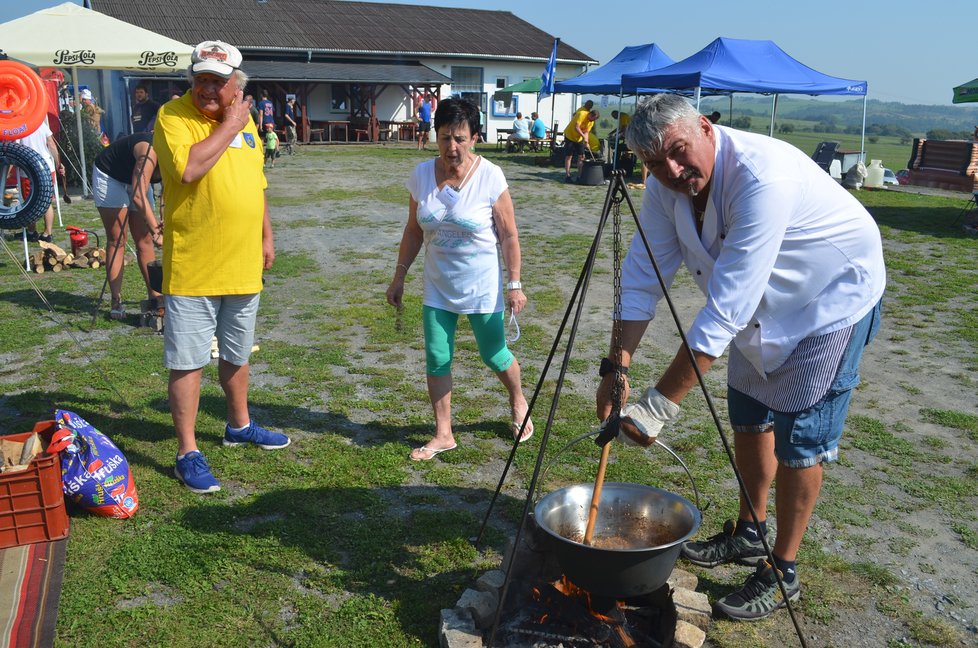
point(649, 415)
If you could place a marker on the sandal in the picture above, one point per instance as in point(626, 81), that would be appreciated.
point(431, 452)
point(117, 312)
point(527, 432)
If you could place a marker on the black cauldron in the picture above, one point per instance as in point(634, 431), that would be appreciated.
point(155, 271)
point(637, 536)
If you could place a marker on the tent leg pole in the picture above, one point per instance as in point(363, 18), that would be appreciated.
point(862, 140)
point(23, 235)
point(57, 198)
point(81, 135)
point(614, 154)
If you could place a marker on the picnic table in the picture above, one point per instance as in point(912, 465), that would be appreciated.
point(534, 143)
point(400, 130)
point(333, 124)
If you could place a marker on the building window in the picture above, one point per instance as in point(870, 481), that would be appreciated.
point(501, 82)
point(466, 79)
point(340, 97)
point(505, 104)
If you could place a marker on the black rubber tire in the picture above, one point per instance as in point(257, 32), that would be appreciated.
point(35, 169)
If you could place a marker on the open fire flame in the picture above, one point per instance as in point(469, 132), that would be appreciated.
point(567, 588)
point(572, 591)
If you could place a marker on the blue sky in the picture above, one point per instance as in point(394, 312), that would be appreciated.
point(912, 52)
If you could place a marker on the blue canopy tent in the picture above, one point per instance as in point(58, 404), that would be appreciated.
point(607, 78)
point(734, 65)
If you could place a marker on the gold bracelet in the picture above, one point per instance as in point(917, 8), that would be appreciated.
point(401, 265)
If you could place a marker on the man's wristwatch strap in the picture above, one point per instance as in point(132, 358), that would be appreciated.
point(607, 366)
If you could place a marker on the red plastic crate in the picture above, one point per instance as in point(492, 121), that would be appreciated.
point(32, 501)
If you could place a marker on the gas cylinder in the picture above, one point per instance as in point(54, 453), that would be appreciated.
point(874, 175)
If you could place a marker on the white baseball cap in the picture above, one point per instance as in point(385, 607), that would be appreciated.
point(85, 94)
point(215, 57)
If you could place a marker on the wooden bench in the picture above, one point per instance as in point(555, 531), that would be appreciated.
point(945, 164)
point(317, 133)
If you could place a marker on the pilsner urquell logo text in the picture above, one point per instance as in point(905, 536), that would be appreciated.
point(68, 57)
point(153, 59)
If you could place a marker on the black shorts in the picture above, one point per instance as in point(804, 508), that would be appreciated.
point(573, 148)
point(424, 127)
point(270, 154)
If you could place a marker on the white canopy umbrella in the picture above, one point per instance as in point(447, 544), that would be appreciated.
point(70, 36)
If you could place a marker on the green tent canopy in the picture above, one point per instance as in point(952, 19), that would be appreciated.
point(966, 93)
point(530, 85)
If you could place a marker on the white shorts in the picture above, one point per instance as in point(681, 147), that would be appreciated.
point(110, 193)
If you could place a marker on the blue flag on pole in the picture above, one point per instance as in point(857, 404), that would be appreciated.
point(549, 73)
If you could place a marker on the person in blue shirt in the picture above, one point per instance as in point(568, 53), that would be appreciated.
point(424, 127)
point(521, 133)
point(538, 130)
point(267, 110)
point(290, 125)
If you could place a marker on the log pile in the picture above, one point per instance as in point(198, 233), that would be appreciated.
point(52, 258)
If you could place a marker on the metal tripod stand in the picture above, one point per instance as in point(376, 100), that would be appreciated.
point(616, 195)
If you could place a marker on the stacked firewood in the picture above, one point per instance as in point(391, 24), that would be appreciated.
point(52, 258)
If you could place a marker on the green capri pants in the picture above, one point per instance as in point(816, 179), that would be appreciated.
point(439, 340)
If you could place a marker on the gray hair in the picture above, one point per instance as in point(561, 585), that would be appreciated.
point(240, 76)
point(651, 119)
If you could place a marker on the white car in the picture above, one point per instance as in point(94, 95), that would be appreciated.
point(889, 178)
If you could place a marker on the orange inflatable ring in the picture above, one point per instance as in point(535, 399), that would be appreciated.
point(23, 103)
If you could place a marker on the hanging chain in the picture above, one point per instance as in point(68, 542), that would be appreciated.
point(618, 389)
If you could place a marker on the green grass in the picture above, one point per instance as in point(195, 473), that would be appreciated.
point(339, 540)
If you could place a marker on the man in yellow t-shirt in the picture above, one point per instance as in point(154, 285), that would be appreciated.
point(576, 138)
point(216, 241)
point(621, 121)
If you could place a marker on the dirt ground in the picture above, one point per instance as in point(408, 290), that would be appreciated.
point(945, 588)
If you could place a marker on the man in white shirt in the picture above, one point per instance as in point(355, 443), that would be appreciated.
point(42, 142)
point(792, 268)
point(521, 133)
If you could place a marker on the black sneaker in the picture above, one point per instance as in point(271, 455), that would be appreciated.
point(760, 596)
point(32, 237)
point(46, 238)
point(726, 547)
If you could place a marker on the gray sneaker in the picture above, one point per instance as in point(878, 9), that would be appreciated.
point(726, 547)
point(760, 596)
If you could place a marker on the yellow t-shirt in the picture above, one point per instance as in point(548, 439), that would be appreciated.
point(624, 120)
point(580, 118)
point(212, 238)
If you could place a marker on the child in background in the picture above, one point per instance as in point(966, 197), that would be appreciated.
point(271, 144)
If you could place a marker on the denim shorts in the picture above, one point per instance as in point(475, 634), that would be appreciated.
point(811, 436)
point(112, 194)
point(191, 323)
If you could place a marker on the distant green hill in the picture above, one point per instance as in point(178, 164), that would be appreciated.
point(916, 118)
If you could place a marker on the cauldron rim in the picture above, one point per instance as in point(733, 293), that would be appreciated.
point(694, 512)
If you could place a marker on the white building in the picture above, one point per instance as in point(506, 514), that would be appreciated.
point(357, 68)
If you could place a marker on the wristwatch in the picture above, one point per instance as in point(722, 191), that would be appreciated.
point(607, 366)
point(514, 285)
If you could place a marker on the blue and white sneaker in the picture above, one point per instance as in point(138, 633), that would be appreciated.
point(195, 474)
point(256, 434)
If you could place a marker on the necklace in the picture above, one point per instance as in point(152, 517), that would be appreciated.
point(458, 187)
